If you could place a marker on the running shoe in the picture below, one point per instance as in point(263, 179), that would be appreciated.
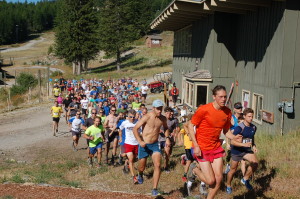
point(203, 189)
point(155, 192)
point(227, 168)
point(247, 184)
point(140, 179)
point(228, 190)
point(183, 160)
point(189, 187)
point(135, 180)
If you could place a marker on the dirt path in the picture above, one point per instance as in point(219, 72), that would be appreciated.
point(23, 128)
point(33, 191)
point(27, 46)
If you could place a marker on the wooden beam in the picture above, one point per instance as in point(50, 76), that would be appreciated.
point(262, 3)
point(207, 6)
point(186, 13)
point(221, 4)
point(189, 7)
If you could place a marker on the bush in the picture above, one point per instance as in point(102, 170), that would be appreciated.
point(27, 80)
point(24, 81)
point(17, 90)
point(56, 74)
point(50, 50)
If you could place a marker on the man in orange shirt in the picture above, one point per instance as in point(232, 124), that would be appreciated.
point(210, 120)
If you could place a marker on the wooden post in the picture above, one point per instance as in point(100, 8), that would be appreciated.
point(29, 95)
point(4, 79)
point(8, 108)
point(48, 76)
point(39, 83)
point(165, 95)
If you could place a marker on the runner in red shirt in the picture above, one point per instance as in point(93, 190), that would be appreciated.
point(210, 120)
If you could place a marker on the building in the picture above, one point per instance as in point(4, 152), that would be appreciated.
point(153, 41)
point(253, 45)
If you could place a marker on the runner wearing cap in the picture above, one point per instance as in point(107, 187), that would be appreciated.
point(148, 142)
point(210, 120)
point(238, 114)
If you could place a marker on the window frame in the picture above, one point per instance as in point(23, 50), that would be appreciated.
point(255, 99)
point(246, 91)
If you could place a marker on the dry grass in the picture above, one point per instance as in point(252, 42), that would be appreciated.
point(277, 176)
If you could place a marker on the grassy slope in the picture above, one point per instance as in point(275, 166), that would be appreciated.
point(277, 177)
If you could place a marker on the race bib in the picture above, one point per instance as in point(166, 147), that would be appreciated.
point(55, 114)
point(246, 140)
point(98, 135)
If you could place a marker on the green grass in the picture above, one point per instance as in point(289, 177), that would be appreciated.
point(280, 152)
point(7, 197)
point(17, 178)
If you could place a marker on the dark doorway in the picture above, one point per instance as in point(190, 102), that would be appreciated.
point(201, 95)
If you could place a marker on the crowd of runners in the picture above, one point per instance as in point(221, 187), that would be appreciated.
point(113, 115)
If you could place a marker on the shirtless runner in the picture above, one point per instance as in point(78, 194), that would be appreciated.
point(111, 134)
point(148, 141)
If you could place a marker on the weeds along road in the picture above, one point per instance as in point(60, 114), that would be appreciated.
point(22, 128)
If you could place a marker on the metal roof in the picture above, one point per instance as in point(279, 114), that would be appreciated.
point(181, 13)
point(199, 75)
point(157, 37)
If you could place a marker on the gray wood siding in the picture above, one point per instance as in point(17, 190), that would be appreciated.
point(260, 50)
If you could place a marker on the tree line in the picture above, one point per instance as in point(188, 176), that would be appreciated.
point(19, 20)
point(82, 27)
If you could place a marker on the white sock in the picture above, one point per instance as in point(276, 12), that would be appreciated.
point(189, 184)
point(202, 183)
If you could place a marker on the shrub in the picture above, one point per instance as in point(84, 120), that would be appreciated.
point(24, 81)
point(50, 50)
point(17, 90)
point(56, 74)
point(27, 80)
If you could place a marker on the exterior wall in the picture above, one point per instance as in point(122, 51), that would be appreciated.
point(259, 50)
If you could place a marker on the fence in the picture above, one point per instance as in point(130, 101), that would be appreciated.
point(38, 94)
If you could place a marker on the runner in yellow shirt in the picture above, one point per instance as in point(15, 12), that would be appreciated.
point(55, 112)
point(56, 91)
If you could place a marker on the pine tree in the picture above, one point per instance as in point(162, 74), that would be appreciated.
point(117, 26)
point(76, 38)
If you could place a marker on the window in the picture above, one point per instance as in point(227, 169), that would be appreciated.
point(245, 99)
point(257, 107)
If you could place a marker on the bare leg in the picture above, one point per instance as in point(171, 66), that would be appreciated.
point(167, 156)
point(217, 166)
point(243, 167)
point(142, 165)
point(107, 151)
point(187, 166)
point(99, 155)
point(233, 168)
point(156, 157)
point(251, 158)
point(131, 162)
